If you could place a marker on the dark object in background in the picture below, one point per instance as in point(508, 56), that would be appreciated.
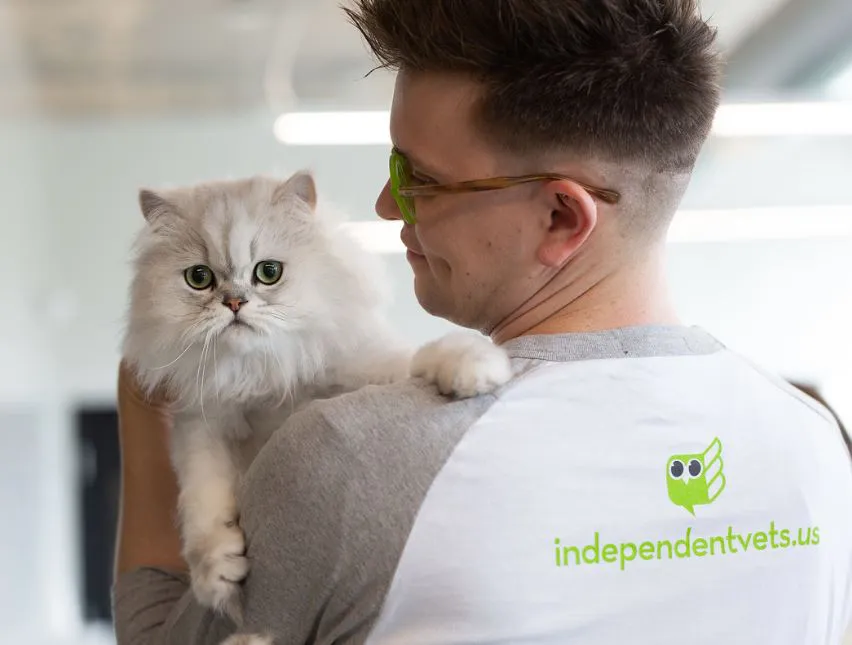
point(814, 393)
point(99, 489)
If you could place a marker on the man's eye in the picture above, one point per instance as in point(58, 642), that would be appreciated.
point(420, 180)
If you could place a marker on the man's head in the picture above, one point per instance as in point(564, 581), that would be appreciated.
point(613, 94)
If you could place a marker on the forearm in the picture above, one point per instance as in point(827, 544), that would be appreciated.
point(148, 534)
point(152, 602)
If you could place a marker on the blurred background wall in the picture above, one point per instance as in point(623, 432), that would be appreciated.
point(101, 97)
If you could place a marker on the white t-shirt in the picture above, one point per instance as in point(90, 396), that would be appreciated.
point(667, 500)
point(633, 486)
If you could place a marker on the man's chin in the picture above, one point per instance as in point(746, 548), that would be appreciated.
point(427, 298)
point(431, 301)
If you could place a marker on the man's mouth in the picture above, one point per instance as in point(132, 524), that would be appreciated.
point(413, 251)
point(407, 245)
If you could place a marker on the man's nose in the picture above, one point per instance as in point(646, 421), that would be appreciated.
point(233, 302)
point(386, 207)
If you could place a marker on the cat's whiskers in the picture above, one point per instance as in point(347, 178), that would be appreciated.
point(289, 320)
point(198, 367)
point(203, 369)
point(287, 390)
point(183, 338)
point(193, 328)
point(216, 369)
point(266, 358)
point(276, 305)
point(180, 356)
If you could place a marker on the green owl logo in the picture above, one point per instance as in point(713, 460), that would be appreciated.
point(694, 480)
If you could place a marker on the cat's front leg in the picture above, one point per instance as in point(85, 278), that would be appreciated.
point(213, 543)
point(462, 364)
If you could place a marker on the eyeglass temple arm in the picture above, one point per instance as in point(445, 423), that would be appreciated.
point(497, 183)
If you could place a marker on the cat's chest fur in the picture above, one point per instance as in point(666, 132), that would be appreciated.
point(244, 427)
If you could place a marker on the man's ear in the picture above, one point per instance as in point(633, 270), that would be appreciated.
point(573, 217)
point(153, 205)
point(301, 185)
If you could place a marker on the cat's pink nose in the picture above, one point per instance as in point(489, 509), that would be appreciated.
point(233, 304)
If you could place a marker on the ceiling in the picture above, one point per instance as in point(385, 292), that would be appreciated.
point(101, 57)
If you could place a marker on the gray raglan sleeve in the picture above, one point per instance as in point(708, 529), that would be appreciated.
point(327, 507)
point(294, 499)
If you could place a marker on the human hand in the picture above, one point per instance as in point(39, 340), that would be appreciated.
point(147, 531)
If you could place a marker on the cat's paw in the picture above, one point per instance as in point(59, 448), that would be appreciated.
point(247, 639)
point(218, 565)
point(462, 364)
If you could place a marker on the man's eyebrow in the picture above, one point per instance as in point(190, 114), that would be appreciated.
point(418, 163)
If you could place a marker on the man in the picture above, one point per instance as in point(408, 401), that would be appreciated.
point(635, 483)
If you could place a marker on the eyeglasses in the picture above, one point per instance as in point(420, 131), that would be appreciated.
point(404, 192)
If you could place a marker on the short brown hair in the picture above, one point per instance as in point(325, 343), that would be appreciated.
point(619, 79)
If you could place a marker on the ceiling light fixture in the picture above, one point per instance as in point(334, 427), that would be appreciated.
point(690, 226)
point(829, 118)
point(333, 128)
point(732, 120)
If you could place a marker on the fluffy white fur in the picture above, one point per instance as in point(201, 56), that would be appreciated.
point(235, 376)
point(248, 639)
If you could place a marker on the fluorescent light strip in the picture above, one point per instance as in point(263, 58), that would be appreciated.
point(732, 120)
point(379, 236)
point(783, 119)
point(761, 224)
point(696, 226)
point(841, 85)
point(333, 128)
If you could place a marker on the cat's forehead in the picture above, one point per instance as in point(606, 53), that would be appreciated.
point(236, 201)
point(233, 223)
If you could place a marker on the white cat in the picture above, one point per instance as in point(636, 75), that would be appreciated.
point(249, 300)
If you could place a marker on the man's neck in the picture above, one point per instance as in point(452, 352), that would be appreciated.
point(628, 297)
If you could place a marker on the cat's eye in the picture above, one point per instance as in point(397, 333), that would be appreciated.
point(199, 277)
point(268, 271)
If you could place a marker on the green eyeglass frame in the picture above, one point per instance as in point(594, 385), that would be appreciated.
point(404, 193)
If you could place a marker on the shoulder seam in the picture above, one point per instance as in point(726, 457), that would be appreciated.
point(494, 397)
point(793, 393)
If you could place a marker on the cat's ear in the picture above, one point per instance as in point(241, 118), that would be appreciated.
point(153, 205)
point(302, 185)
